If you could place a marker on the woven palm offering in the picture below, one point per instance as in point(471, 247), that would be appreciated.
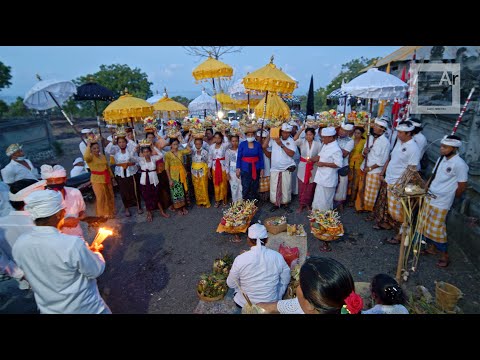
point(361, 118)
point(410, 184)
point(212, 287)
point(239, 214)
point(198, 130)
point(276, 224)
point(326, 225)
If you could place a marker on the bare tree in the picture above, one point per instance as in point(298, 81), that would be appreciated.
point(215, 52)
point(212, 51)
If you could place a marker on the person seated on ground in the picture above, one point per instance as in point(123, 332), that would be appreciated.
point(261, 273)
point(326, 287)
point(388, 296)
point(19, 166)
point(78, 167)
point(62, 269)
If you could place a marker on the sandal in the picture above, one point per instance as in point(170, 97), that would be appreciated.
point(443, 263)
point(236, 240)
point(392, 241)
point(325, 247)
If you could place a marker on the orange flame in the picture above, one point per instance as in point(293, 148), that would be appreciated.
point(102, 234)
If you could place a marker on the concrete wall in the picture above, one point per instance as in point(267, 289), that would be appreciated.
point(34, 134)
point(463, 221)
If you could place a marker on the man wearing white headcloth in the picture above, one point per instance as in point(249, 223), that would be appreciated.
point(346, 144)
point(62, 269)
point(378, 151)
point(19, 166)
point(73, 202)
point(420, 139)
point(405, 154)
point(261, 273)
point(282, 166)
point(14, 221)
point(78, 167)
point(326, 177)
point(450, 181)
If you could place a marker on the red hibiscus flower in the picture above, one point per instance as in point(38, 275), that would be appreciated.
point(354, 303)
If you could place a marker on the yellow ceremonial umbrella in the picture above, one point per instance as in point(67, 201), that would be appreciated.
point(169, 105)
point(227, 102)
point(127, 108)
point(244, 104)
point(269, 79)
point(211, 69)
point(276, 108)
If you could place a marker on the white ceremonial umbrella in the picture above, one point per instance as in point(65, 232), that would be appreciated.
point(376, 84)
point(152, 100)
point(47, 94)
point(202, 104)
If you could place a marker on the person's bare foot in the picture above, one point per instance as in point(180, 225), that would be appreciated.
point(149, 216)
point(300, 209)
point(164, 214)
point(185, 211)
point(127, 213)
point(217, 204)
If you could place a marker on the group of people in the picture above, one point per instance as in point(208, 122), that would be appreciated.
point(325, 285)
point(323, 166)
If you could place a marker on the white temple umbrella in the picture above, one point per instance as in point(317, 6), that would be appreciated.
point(202, 103)
point(47, 94)
point(238, 92)
point(377, 85)
point(152, 100)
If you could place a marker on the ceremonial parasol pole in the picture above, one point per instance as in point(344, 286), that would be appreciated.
point(464, 108)
point(362, 194)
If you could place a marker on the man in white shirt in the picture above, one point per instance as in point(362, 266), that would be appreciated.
point(282, 166)
point(78, 167)
point(19, 166)
point(261, 273)
point(346, 143)
point(405, 154)
point(62, 269)
point(378, 151)
point(326, 177)
point(13, 223)
point(450, 181)
point(73, 202)
point(420, 139)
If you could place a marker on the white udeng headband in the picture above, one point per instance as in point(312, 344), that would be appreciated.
point(22, 194)
point(451, 142)
point(404, 127)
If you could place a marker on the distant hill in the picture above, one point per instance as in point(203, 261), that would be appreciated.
point(9, 98)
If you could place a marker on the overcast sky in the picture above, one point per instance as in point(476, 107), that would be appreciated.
point(170, 66)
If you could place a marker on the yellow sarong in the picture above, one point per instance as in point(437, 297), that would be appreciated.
point(200, 183)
